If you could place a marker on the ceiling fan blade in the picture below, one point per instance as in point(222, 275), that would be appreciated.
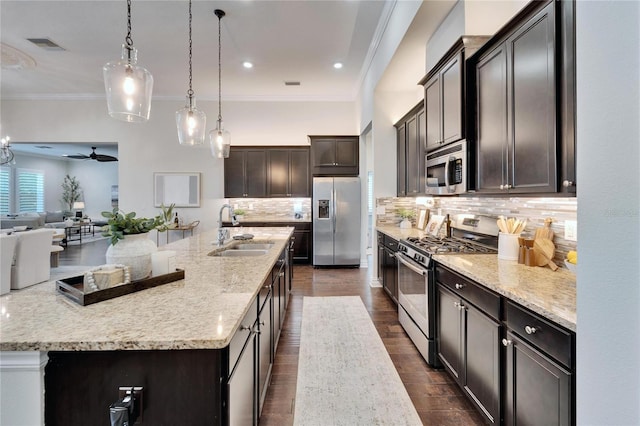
point(78, 156)
point(105, 158)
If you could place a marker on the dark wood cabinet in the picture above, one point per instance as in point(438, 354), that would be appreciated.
point(468, 333)
point(388, 265)
point(539, 360)
point(288, 172)
point(245, 173)
point(516, 107)
point(410, 153)
point(259, 172)
point(445, 94)
point(335, 155)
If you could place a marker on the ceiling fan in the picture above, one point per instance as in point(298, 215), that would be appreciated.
point(93, 156)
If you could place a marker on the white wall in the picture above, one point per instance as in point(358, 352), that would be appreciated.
point(152, 147)
point(608, 135)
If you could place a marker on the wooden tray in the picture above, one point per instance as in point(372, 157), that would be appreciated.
point(73, 287)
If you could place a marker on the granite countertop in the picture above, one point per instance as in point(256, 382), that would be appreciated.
point(202, 311)
point(548, 293)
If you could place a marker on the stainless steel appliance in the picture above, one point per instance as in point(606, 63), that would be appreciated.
point(416, 281)
point(336, 221)
point(446, 170)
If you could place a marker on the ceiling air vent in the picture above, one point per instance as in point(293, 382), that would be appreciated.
point(45, 43)
point(292, 83)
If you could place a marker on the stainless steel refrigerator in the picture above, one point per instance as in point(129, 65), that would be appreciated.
point(336, 221)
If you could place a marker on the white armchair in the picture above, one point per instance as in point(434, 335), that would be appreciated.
point(33, 252)
point(7, 253)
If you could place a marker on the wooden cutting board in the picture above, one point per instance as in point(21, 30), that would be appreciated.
point(544, 250)
point(545, 232)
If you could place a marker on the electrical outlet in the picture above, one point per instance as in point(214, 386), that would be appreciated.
point(250, 206)
point(571, 230)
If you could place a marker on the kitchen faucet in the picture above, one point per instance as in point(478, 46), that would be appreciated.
point(224, 233)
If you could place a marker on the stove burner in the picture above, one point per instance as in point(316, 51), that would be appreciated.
point(445, 245)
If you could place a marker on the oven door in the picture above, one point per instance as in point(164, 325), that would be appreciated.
point(413, 282)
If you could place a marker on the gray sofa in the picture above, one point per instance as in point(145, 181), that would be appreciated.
point(33, 220)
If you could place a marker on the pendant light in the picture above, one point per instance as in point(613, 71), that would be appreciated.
point(127, 84)
point(219, 138)
point(191, 121)
point(6, 154)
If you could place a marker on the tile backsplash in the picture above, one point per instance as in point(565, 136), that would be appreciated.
point(276, 208)
point(535, 210)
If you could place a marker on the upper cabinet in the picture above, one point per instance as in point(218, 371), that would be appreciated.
point(445, 94)
point(245, 172)
point(258, 172)
point(524, 86)
point(411, 133)
point(288, 172)
point(335, 155)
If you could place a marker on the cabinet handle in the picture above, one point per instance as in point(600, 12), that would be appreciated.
point(458, 305)
point(460, 286)
point(530, 330)
point(281, 274)
point(506, 342)
point(501, 186)
point(568, 183)
point(507, 186)
point(244, 327)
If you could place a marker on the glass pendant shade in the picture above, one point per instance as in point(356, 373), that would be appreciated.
point(191, 124)
point(128, 88)
point(220, 141)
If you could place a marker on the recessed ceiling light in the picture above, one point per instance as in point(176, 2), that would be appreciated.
point(337, 65)
point(247, 64)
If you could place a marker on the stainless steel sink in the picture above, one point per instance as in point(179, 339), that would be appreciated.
point(249, 246)
point(233, 252)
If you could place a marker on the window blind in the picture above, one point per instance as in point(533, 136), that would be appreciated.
point(5, 190)
point(30, 190)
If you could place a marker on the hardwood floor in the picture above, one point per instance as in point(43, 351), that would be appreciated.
point(436, 397)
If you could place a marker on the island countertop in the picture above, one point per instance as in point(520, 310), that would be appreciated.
point(548, 293)
point(202, 311)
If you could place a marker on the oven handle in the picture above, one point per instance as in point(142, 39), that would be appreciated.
point(410, 264)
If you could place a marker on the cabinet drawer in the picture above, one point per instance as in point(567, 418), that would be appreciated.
point(242, 334)
point(540, 332)
point(391, 243)
point(482, 298)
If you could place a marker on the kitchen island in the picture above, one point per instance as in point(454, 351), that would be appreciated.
point(180, 331)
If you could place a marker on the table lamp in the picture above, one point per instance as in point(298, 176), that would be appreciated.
point(78, 206)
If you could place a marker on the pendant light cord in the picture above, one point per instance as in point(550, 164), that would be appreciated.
point(128, 40)
point(220, 15)
point(190, 92)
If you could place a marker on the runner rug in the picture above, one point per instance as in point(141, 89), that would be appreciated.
point(345, 375)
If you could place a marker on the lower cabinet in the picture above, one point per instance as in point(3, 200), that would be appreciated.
point(517, 367)
point(539, 384)
point(469, 343)
point(388, 265)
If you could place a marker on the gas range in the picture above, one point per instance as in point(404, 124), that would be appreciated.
point(465, 238)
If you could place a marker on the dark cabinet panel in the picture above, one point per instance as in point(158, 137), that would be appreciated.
point(451, 76)
point(445, 94)
point(516, 108)
point(492, 119)
point(245, 173)
point(267, 172)
point(278, 166)
point(449, 324)
point(432, 108)
point(388, 265)
point(538, 390)
point(335, 155)
point(401, 146)
point(411, 134)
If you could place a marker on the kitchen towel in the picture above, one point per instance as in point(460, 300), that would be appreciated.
point(345, 375)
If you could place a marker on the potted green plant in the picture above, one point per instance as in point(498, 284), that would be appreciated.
point(71, 192)
point(130, 243)
point(239, 213)
point(406, 215)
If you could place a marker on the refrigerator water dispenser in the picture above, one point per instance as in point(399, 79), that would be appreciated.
point(323, 209)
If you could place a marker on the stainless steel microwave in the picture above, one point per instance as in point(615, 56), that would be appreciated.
point(446, 170)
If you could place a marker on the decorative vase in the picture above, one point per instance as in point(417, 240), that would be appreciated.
point(135, 252)
point(406, 223)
